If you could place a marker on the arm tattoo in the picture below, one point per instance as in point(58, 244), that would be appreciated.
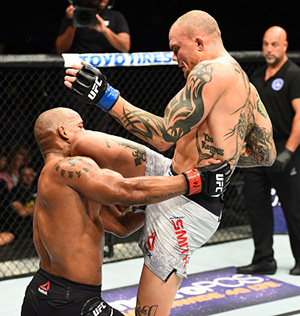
point(72, 163)
point(138, 152)
point(184, 111)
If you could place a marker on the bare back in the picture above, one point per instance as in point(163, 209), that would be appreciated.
point(219, 93)
point(68, 232)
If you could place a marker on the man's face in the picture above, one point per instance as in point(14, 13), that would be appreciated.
point(27, 176)
point(99, 4)
point(274, 47)
point(185, 50)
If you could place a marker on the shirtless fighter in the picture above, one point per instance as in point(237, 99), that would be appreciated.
point(70, 219)
point(217, 114)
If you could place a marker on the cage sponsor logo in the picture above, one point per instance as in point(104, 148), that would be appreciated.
point(119, 59)
point(211, 292)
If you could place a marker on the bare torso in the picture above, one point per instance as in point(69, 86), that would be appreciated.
point(229, 113)
point(68, 234)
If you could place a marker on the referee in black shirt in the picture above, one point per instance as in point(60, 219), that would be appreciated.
point(278, 84)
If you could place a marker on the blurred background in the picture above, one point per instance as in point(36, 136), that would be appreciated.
point(31, 26)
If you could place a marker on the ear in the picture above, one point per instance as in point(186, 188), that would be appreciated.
point(63, 132)
point(199, 43)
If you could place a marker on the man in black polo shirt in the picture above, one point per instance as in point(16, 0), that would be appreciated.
point(110, 34)
point(278, 84)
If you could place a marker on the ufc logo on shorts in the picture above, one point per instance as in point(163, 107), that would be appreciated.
point(95, 90)
point(219, 183)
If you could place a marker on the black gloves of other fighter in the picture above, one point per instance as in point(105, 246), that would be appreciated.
point(211, 180)
point(91, 86)
point(282, 160)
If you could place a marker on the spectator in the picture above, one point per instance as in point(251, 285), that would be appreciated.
point(5, 178)
point(22, 196)
point(6, 238)
point(110, 34)
point(278, 84)
point(5, 186)
point(18, 161)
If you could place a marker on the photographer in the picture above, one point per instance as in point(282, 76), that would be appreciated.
point(89, 26)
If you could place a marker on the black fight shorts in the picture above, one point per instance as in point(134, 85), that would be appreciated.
point(49, 295)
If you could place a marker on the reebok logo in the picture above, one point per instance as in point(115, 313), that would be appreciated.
point(150, 241)
point(95, 90)
point(44, 288)
point(219, 182)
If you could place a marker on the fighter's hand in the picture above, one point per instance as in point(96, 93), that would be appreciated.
point(89, 85)
point(211, 180)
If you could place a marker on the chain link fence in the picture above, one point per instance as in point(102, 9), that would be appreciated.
point(31, 84)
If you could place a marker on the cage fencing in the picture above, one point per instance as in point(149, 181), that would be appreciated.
point(31, 84)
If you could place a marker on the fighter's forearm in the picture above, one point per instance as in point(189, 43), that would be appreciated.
point(150, 190)
point(147, 126)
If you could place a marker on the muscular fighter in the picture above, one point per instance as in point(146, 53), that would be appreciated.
point(218, 114)
point(70, 216)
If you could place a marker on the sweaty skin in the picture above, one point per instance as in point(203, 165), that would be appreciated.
point(76, 199)
point(218, 114)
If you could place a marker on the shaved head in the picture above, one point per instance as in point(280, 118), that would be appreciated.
point(47, 124)
point(275, 45)
point(198, 22)
point(277, 32)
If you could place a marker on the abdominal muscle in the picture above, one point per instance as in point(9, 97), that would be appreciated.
point(192, 149)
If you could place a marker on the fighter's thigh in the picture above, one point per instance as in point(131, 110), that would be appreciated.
point(155, 296)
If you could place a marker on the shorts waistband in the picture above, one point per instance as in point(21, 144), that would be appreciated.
point(212, 204)
point(54, 287)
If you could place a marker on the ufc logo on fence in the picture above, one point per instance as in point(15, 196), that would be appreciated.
point(219, 183)
point(95, 87)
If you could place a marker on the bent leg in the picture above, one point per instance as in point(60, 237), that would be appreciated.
point(155, 296)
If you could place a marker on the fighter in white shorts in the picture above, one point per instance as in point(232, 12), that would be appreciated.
point(174, 229)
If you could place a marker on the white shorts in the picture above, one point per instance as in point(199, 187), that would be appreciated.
point(173, 229)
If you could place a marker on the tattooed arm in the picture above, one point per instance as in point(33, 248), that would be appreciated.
point(111, 152)
point(183, 113)
point(260, 147)
point(108, 187)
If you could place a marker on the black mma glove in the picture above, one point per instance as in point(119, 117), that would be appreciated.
point(282, 160)
point(91, 86)
point(211, 180)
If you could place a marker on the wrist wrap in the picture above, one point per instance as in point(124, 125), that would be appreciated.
point(109, 98)
point(193, 179)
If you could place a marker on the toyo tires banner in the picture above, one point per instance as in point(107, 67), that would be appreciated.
point(119, 59)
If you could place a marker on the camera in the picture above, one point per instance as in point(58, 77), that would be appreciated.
point(84, 14)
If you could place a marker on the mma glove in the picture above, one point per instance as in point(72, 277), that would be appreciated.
point(282, 160)
point(211, 180)
point(91, 86)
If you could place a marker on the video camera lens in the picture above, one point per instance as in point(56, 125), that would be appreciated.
point(84, 17)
